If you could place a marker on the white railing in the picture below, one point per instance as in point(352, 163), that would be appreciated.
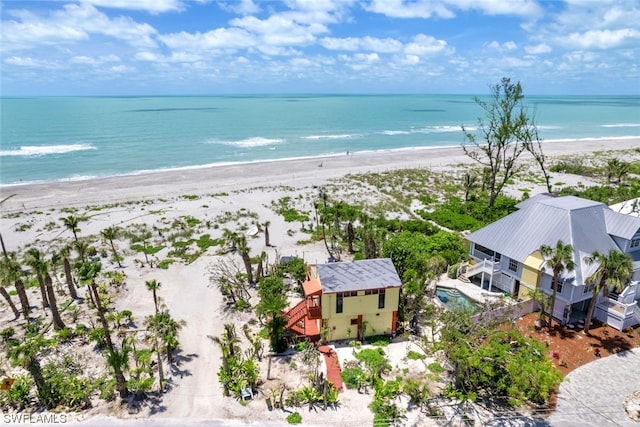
point(485, 265)
point(636, 312)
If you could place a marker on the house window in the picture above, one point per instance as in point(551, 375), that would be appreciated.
point(371, 292)
point(559, 285)
point(339, 302)
point(635, 242)
point(588, 288)
point(354, 321)
point(513, 264)
point(381, 298)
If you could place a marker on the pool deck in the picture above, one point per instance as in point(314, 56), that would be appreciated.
point(469, 289)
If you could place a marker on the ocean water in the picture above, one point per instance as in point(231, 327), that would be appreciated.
point(64, 138)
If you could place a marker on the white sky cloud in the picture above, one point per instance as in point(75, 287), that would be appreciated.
point(603, 39)
point(423, 45)
point(400, 41)
point(152, 6)
point(538, 49)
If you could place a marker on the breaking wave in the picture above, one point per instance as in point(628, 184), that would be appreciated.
point(43, 150)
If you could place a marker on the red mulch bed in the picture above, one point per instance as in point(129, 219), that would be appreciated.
point(569, 349)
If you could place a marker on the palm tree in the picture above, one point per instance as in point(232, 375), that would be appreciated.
point(541, 298)
point(8, 299)
point(25, 354)
point(229, 347)
point(72, 222)
point(614, 269)
point(12, 273)
point(166, 328)
point(266, 233)
point(110, 234)
point(558, 259)
point(40, 266)
point(82, 248)
point(88, 274)
point(68, 274)
point(36, 261)
point(58, 324)
point(243, 249)
point(153, 286)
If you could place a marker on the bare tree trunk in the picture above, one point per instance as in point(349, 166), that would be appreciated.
point(69, 278)
point(7, 297)
point(160, 368)
point(43, 291)
point(24, 300)
point(58, 324)
point(246, 259)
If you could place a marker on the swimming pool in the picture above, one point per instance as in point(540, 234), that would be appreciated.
point(457, 301)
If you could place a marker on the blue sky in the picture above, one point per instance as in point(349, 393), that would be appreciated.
point(157, 47)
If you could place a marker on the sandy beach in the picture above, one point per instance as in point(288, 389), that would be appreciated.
point(31, 215)
point(296, 173)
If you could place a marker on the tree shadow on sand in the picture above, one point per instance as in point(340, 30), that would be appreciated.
point(181, 359)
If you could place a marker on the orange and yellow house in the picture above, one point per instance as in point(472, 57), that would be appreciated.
point(347, 300)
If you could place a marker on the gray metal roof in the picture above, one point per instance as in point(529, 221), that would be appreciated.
point(358, 275)
point(546, 220)
point(621, 225)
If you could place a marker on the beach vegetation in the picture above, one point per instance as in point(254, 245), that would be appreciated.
point(294, 418)
point(608, 194)
point(226, 275)
point(166, 329)
point(504, 134)
point(116, 358)
point(574, 165)
point(237, 372)
point(18, 396)
point(273, 301)
point(414, 355)
point(147, 249)
point(110, 234)
point(11, 272)
point(489, 362)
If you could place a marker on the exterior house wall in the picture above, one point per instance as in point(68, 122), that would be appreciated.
point(378, 320)
point(340, 327)
point(530, 276)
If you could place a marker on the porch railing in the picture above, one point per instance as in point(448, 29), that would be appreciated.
point(485, 265)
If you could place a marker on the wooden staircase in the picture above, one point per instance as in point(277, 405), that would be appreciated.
point(299, 322)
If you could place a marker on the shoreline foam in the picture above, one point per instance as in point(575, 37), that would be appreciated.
point(632, 139)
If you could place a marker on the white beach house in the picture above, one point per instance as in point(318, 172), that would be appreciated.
point(505, 255)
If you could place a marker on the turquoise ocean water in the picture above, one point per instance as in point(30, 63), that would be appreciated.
point(63, 138)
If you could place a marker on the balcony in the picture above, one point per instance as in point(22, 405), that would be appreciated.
point(314, 309)
point(617, 314)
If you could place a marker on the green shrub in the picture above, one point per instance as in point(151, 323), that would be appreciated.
point(242, 305)
point(97, 335)
point(7, 333)
point(165, 263)
point(353, 376)
point(301, 346)
point(379, 340)
point(17, 397)
point(414, 355)
point(64, 334)
point(294, 418)
point(435, 367)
